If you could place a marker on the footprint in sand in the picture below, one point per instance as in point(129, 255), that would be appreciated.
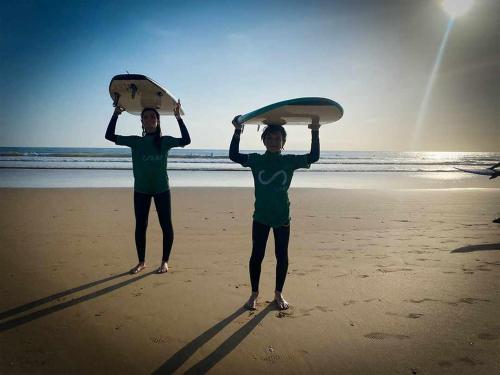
point(371, 300)
point(494, 334)
point(445, 364)
point(488, 336)
point(385, 270)
point(383, 336)
point(272, 358)
point(289, 313)
point(497, 263)
point(423, 300)
point(306, 311)
point(469, 361)
point(468, 300)
point(158, 339)
point(409, 316)
point(324, 309)
point(420, 252)
point(323, 256)
point(483, 268)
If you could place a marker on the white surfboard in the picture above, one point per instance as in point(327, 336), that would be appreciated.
point(300, 111)
point(134, 92)
point(485, 172)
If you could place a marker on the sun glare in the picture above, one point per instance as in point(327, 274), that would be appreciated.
point(457, 8)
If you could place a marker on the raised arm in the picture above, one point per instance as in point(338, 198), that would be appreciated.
point(234, 148)
point(313, 155)
point(110, 131)
point(185, 138)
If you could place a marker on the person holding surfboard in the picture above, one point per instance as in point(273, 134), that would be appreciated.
point(149, 161)
point(272, 173)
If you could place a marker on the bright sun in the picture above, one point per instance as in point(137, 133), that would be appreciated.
point(456, 8)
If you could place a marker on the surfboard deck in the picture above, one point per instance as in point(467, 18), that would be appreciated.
point(299, 111)
point(134, 92)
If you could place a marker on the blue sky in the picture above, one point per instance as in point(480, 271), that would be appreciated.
point(224, 58)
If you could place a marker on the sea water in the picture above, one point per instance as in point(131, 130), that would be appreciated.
point(112, 167)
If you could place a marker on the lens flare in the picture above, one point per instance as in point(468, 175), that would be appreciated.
point(428, 88)
point(457, 8)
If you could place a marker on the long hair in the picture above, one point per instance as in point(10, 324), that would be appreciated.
point(157, 133)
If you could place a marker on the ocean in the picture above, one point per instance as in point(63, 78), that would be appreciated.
point(112, 167)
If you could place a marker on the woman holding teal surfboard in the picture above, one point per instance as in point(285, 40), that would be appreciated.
point(272, 173)
point(149, 161)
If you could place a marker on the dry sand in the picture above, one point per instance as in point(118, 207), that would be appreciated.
point(380, 282)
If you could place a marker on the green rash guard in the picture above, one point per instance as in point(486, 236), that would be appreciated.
point(272, 174)
point(150, 167)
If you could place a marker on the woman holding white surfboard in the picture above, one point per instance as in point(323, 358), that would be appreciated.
point(149, 161)
point(272, 173)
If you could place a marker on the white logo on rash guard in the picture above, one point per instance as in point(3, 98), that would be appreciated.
point(273, 177)
point(152, 157)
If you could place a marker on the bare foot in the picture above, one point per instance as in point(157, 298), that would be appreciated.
point(282, 304)
point(252, 301)
point(163, 267)
point(138, 268)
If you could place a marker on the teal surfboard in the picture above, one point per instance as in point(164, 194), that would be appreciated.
point(299, 111)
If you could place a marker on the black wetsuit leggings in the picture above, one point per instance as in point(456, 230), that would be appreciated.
point(142, 203)
point(260, 233)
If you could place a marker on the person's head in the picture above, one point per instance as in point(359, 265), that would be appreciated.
point(150, 119)
point(274, 138)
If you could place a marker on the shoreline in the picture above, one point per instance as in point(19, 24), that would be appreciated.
point(85, 178)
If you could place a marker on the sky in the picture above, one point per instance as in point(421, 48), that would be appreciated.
point(224, 58)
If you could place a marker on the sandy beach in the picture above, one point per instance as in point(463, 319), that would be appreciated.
point(380, 282)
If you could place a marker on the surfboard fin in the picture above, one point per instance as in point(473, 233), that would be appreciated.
point(133, 90)
point(159, 94)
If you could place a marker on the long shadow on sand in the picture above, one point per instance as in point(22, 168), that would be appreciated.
point(179, 358)
point(471, 248)
point(49, 310)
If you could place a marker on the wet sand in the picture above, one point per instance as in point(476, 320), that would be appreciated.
point(380, 282)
